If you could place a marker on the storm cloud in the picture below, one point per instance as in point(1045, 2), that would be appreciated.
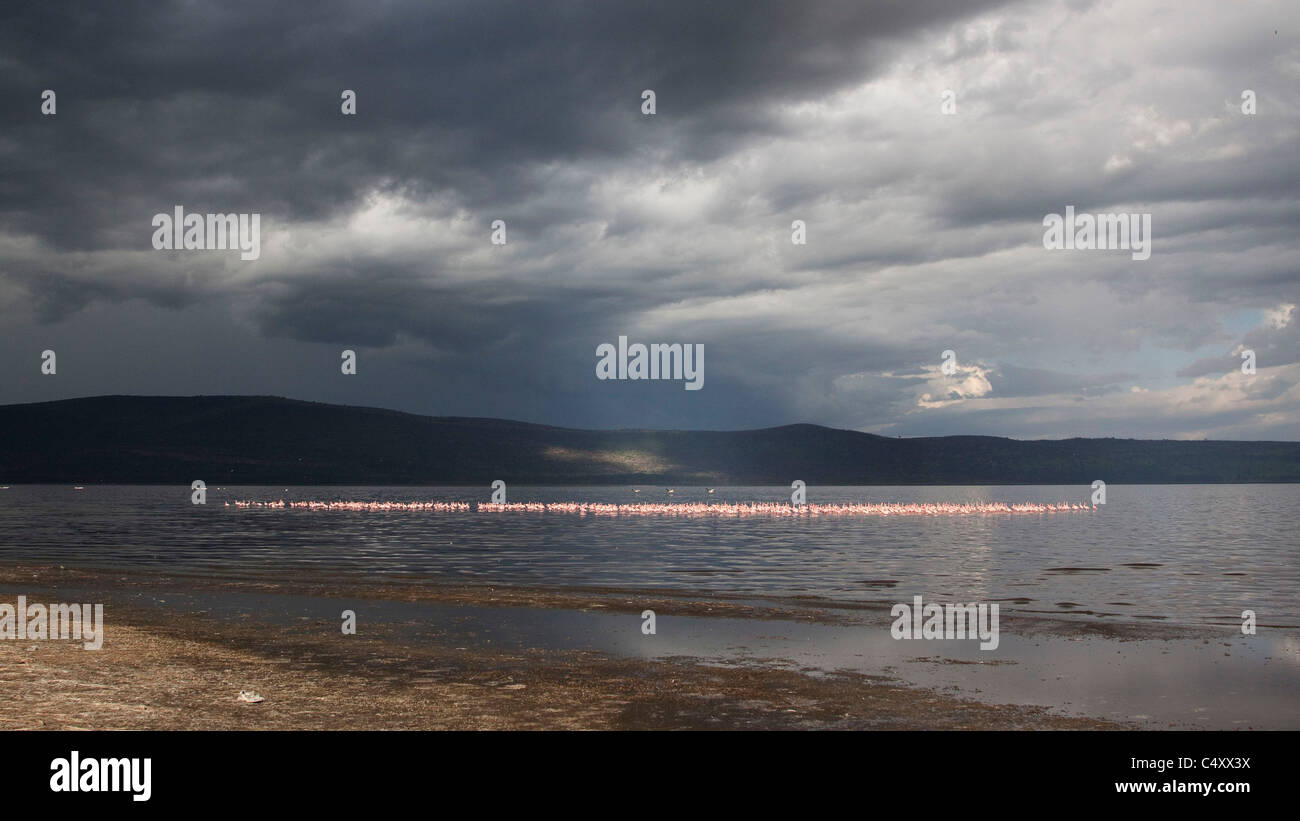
point(920, 143)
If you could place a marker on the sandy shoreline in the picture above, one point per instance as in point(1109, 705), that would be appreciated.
point(163, 667)
point(807, 609)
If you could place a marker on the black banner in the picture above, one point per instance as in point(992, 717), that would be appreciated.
point(148, 771)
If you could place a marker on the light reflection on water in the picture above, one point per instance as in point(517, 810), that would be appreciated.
point(1183, 553)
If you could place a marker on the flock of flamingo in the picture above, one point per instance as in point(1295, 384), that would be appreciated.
point(367, 507)
point(690, 509)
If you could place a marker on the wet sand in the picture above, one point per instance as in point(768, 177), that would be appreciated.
point(171, 664)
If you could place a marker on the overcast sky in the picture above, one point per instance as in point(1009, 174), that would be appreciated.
point(924, 229)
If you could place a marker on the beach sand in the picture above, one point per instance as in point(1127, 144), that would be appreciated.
point(172, 666)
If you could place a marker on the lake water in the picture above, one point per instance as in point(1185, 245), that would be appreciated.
point(1181, 554)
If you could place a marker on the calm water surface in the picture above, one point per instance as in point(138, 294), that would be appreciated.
point(1183, 554)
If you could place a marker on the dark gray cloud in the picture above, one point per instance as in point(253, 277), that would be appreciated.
point(924, 230)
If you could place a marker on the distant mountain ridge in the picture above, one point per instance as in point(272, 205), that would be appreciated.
point(270, 440)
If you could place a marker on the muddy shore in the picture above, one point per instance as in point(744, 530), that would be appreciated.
point(173, 667)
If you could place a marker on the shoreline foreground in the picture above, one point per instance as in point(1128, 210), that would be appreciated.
point(179, 649)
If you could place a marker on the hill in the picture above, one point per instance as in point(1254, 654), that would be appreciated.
point(269, 440)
